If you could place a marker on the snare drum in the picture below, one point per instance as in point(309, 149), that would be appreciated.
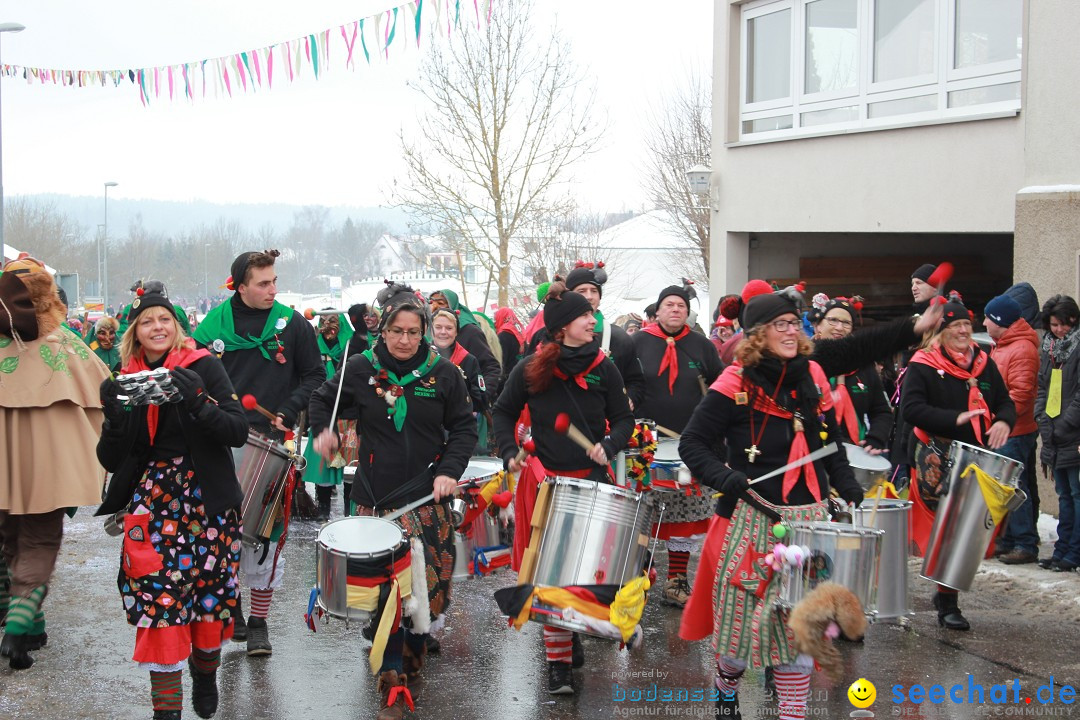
point(483, 530)
point(839, 553)
point(595, 534)
point(870, 470)
point(354, 556)
point(264, 468)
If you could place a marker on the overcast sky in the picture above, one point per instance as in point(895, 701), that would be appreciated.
point(331, 141)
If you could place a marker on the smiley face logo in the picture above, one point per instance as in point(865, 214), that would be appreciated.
point(862, 693)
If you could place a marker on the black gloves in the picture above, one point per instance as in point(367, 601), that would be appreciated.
point(735, 484)
point(853, 494)
point(190, 385)
point(110, 403)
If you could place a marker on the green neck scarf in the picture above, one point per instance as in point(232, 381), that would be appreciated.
point(219, 325)
point(345, 333)
point(599, 322)
point(400, 407)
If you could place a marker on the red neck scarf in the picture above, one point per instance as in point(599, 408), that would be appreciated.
point(670, 361)
point(935, 358)
point(845, 408)
point(181, 357)
point(580, 377)
point(731, 382)
point(458, 355)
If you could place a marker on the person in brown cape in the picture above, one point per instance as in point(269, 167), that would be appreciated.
point(48, 390)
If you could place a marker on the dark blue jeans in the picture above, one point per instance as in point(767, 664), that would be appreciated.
point(1067, 485)
point(1020, 532)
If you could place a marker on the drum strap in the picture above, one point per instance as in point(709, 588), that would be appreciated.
point(397, 496)
point(753, 501)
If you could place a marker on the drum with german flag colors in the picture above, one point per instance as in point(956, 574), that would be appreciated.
point(354, 558)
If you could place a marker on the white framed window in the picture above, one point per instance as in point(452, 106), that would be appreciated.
point(810, 67)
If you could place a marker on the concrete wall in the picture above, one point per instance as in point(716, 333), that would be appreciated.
point(955, 177)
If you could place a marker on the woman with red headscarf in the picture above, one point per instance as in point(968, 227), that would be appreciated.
point(511, 339)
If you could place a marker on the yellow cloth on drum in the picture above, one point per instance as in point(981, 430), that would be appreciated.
point(492, 488)
point(625, 612)
point(560, 598)
point(885, 489)
point(995, 494)
point(367, 598)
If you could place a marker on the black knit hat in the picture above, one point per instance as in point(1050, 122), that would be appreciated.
point(151, 294)
point(674, 290)
point(954, 310)
point(560, 312)
point(924, 272)
point(816, 315)
point(765, 308)
point(591, 273)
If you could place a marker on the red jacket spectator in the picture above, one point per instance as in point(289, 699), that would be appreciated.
point(1016, 354)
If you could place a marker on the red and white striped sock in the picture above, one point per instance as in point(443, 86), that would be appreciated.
point(677, 560)
point(792, 690)
point(260, 602)
point(558, 643)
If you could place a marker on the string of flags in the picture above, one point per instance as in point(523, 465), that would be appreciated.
point(251, 70)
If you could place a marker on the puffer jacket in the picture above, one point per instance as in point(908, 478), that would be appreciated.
point(1061, 435)
point(1016, 354)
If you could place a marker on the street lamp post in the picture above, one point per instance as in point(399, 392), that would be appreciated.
point(205, 282)
point(14, 28)
point(105, 243)
point(97, 244)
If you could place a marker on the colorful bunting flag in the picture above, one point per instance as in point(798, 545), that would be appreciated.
point(247, 66)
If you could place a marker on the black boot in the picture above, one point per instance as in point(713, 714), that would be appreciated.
point(948, 613)
point(346, 498)
point(728, 706)
point(322, 496)
point(166, 715)
point(13, 647)
point(204, 693)
point(577, 652)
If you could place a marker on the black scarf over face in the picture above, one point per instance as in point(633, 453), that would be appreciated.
point(575, 360)
point(797, 394)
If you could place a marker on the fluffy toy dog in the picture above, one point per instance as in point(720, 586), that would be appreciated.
point(819, 617)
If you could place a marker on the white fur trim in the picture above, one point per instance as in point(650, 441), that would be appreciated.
point(417, 608)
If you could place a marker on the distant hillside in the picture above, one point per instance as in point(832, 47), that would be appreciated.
point(169, 217)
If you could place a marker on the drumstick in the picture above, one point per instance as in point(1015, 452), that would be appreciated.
point(563, 426)
point(249, 403)
point(667, 431)
point(816, 455)
point(411, 506)
point(527, 448)
point(880, 492)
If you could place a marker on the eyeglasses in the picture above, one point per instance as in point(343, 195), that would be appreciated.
point(785, 325)
point(837, 322)
point(397, 333)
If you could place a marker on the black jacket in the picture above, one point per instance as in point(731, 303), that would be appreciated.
point(124, 447)
point(699, 362)
point(473, 339)
point(512, 352)
point(590, 411)
point(623, 355)
point(439, 429)
point(474, 380)
point(868, 398)
point(280, 388)
point(1061, 435)
point(931, 401)
point(718, 416)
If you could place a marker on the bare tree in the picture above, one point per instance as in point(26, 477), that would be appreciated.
point(681, 137)
point(507, 115)
point(37, 227)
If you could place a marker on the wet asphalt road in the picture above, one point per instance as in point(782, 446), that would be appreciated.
point(1026, 626)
